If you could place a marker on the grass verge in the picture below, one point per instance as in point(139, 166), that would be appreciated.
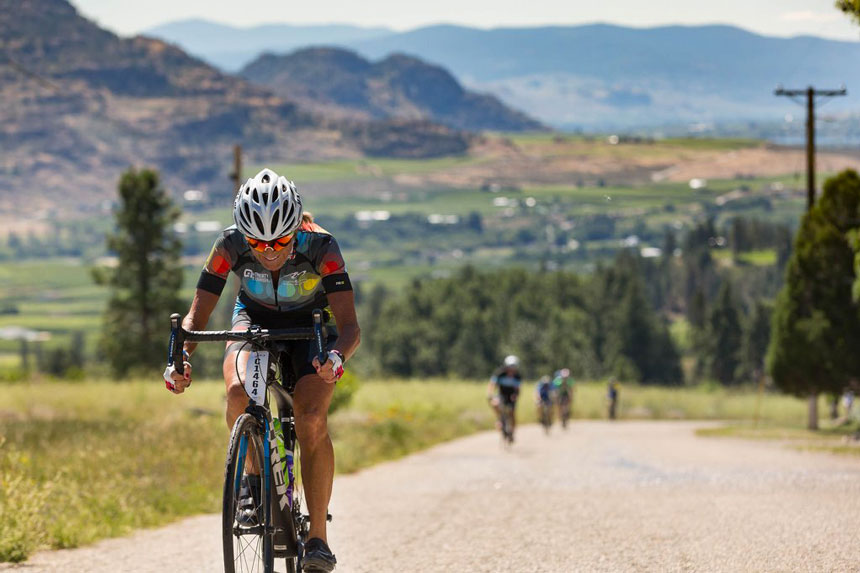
point(834, 440)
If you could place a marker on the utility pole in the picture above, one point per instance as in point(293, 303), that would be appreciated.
point(236, 174)
point(810, 94)
point(236, 177)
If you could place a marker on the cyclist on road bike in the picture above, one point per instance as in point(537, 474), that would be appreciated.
point(544, 390)
point(543, 399)
point(287, 268)
point(563, 386)
point(504, 387)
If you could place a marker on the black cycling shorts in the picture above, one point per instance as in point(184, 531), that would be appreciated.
point(509, 394)
point(300, 352)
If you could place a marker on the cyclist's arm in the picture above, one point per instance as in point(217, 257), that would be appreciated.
point(342, 306)
point(198, 315)
point(492, 387)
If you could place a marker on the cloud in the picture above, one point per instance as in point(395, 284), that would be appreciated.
point(810, 16)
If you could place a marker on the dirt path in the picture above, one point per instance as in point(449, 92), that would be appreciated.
point(631, 496)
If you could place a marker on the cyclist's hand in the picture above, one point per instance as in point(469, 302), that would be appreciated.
point(176, 382)
point(332, 370)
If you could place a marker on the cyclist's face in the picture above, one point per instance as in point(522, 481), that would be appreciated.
point(272, 260)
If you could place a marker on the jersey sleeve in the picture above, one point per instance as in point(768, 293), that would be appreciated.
point(331, 266)
point(217, 268)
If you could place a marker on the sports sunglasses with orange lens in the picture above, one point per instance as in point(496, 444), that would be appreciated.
point(275, 244)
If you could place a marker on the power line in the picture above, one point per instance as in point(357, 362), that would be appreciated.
point(810, 94)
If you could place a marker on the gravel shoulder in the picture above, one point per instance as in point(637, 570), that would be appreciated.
point(628, 496)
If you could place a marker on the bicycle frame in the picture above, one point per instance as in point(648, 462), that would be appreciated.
point(287, 515)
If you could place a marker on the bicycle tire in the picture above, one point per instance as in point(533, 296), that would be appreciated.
point(545, 417)
point(507, 424)
point(294, 564)
point(246, 431)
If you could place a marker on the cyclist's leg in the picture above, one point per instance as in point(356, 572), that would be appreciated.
point(237, 398)
point(234, 370)
point(310, 404)
point(512, 400)
point(234, 373)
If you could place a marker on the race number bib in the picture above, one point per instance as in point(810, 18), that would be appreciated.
point(255, 376)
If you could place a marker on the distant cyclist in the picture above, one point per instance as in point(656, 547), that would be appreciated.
point(544, 398)
point(504, 387)
point(563, 386)
point(612, 398)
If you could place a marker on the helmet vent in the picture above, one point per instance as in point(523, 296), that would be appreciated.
point(276, 218)
point(259, 223)
point(265, 178)
point(255, 196)
point(275, 194)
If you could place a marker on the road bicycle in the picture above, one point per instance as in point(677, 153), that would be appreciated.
point(545, 415)
point(264, 443)
point(506, 420)
point(564, 404)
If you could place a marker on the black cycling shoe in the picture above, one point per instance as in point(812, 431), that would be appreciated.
point(318, 557)
point(248, 502)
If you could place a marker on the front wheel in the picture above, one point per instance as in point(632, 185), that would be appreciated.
point(247, 546)
point(545, 417)
point(507, 412)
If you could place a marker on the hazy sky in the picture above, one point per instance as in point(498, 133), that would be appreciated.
point(770, 17)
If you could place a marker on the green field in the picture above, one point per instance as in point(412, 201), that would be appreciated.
point(362, 168)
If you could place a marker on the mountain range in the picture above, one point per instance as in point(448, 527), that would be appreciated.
point(340, 83)
point(80, 104)
point(604, 76)
point(231, 48)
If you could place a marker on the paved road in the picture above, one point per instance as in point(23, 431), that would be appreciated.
point(630, 496)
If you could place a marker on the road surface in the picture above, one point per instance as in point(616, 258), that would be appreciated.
point(629, 496)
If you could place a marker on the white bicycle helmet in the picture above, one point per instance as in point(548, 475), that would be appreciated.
point(267, 207)
point(512, 361)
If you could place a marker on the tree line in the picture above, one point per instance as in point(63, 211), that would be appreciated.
point(796, 319)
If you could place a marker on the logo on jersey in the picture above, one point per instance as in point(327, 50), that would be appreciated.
point(259, 277)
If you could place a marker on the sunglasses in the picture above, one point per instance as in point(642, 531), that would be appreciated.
point(275, 244)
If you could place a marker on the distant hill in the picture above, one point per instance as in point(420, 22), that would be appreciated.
point(80, 104)
point(340, 82)
point(612, 75)
point(602, 76)
point(230, 48)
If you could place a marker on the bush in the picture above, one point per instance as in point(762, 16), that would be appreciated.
point(344, 391)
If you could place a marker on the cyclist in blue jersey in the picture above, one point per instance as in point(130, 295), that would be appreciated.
point(543, 399)
point(286, 268)
point(544, 391)
point(504, 387)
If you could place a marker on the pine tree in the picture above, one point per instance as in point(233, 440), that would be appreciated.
point(756, 338)
point(850, 7)
point(146, 280)
point(816, 325)
point(724, 337)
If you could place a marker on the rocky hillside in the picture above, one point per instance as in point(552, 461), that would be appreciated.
point(340, 82)
point(79, 104)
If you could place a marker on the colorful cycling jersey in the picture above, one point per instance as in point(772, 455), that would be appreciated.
point(314, 268)
point(504, 380)
point(563, 385)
